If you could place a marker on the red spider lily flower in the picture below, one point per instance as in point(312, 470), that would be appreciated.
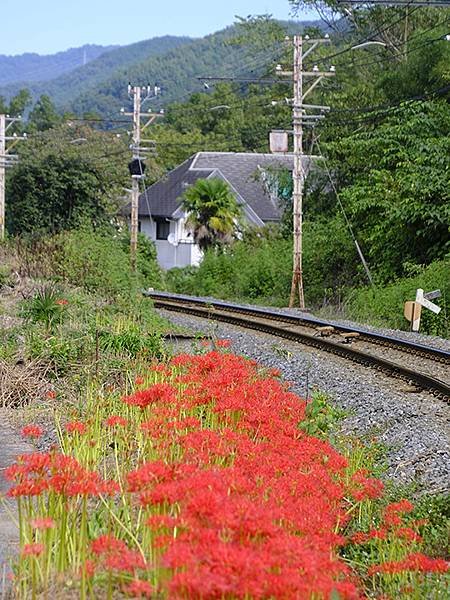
point(116, 555)
point(32, 550)
point(35, 473)
point(406, 533)
point(89, 568)
point(91, 484)
point(162, 521)
point(32, 431)
point(139, 380)
point(223, 343)
point(392, 512)
point(160, 392)
point(42, 523)
point(125, 561)
point(413, 562)
point(76, 427)
point(148, 475)
point(274, 372)
point(116, 421)
point(138, 589)
point(51, 395)
point(62, 302)
point(107, 543)
point(366, 487)
point(374, 534)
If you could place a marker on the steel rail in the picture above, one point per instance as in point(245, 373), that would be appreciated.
point(251, 318)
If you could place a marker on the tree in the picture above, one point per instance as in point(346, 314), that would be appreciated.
point(44, 115)
point(213, 212)
point(59, 185)
point(394, 183)
point(19, 103)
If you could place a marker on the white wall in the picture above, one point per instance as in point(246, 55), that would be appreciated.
point(185, 253)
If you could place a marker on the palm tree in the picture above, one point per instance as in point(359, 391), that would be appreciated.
point(213, 212)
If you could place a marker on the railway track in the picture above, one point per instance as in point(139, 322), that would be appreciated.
point(420, 367)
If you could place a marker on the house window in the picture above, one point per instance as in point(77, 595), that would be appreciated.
point(162, 229)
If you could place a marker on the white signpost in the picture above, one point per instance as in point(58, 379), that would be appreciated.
point(413, 310)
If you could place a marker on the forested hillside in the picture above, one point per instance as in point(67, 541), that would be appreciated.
point(177, 71)
point(31, 67)
point(63, 86)
point(173, 62)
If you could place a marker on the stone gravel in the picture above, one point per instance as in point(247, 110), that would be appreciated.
point(414, 427)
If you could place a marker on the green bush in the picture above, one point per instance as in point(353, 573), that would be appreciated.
point(384, 305)
point(97, 261)
point(259, 267)
point(61, 352)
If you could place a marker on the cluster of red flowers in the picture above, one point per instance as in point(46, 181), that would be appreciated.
point(114, 555)
point(32, 431)
point(392, 525)
point(254, 500)
point(36, 473)
point(413, 562)
point(235, 500)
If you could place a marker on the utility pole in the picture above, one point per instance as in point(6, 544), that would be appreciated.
point(298, 177)
point(300, 119)
point(2, 175)
point(6, 160)
point(137, 164)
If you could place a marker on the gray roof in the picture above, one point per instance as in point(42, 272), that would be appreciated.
point(240, 170)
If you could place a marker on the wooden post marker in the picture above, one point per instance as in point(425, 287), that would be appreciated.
point(413, 310)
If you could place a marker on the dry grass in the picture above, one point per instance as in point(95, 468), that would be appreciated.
point(21, 384)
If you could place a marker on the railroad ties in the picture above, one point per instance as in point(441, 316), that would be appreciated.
point(393, 356)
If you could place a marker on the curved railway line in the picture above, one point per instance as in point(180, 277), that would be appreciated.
point(422, 367)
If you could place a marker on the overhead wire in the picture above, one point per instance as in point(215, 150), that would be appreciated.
point(344, 212)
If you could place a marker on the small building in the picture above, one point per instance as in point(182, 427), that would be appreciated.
point(252, 178)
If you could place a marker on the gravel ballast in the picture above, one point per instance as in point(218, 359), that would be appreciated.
point(409, 336)
point(414, 426)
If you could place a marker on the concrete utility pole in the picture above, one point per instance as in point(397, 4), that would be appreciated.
point(137, 165)
point(6, 160)
point(300, 118)
point(2, 175)
point(298, 177)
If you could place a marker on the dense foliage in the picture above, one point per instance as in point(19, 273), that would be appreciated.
point(384, 305)
point(64, 179)
point(97, 260)
point(395, 186)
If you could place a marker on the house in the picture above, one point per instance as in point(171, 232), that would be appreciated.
point(250, 177)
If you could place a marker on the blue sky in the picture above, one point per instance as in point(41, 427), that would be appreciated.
point(48, 26)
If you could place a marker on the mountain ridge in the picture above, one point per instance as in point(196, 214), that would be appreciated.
point(173, 62)
point(32, 66)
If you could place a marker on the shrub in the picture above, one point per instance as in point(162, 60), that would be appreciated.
point(384, 305)
point(259, 267)
point(98, 261)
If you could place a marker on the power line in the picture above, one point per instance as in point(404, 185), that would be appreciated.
point(347, 221)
